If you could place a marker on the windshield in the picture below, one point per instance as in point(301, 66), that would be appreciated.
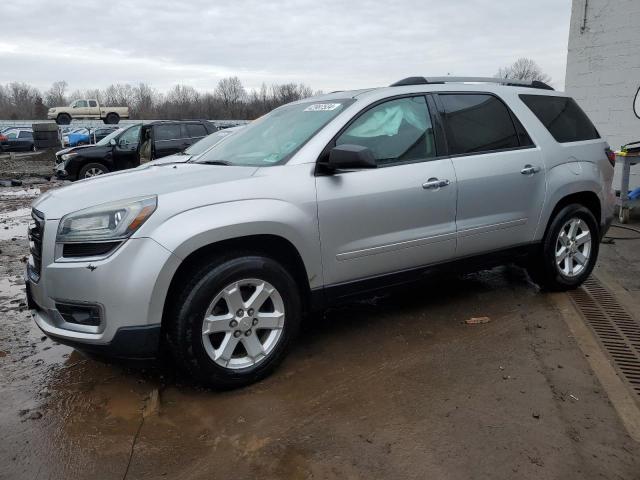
point(107, 139)
point(274, 138)
point(207, 142)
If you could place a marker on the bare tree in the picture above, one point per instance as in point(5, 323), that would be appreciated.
point(524, 69)
point(55, 96)
point(229, 100)
point(231, 93)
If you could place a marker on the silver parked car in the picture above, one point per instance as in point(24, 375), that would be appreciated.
point(317, 202)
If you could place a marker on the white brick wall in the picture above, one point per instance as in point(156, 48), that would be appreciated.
point(603, 65)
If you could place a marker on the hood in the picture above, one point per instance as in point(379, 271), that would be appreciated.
point(139, 182)
point(72, 149)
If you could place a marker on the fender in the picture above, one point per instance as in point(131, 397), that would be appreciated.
point(193, 229)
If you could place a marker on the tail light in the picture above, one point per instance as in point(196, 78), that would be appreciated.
point(3, 138)
point(611, 156)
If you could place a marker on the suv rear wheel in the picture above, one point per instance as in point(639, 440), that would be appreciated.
point(234, 321)
point(569, 250)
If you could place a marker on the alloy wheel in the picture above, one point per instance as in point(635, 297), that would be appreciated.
point(243, 323)
point(573, 247)
point(92, 172)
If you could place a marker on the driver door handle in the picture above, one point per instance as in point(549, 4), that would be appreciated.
point(434, 184)
point(529, 170)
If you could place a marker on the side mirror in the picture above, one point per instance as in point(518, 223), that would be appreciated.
point(112, 142)
point(351, 157)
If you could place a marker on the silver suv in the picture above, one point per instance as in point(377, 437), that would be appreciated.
point(319, 201)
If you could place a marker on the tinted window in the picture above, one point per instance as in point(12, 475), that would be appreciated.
point(93, 103)
point(395, 131)
point(562, 116)
point(196, 130)
point(25, 134)
point(167, 132)
point(477, 123)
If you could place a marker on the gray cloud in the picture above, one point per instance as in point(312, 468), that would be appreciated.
point(328, 45)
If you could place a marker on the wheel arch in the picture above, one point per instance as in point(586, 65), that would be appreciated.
point(273, 246)
point(587, 198)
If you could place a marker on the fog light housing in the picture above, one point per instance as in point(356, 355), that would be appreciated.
point(85, 314)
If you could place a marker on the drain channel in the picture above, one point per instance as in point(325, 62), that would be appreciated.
point(616, 329)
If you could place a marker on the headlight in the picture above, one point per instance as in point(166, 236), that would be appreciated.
point(67, 156)
point(111, 221)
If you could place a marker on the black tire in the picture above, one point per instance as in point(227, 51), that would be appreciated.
point(112, 119)
point(184, 323)
point(89, 167)
point(543, 267)
point(63, 119)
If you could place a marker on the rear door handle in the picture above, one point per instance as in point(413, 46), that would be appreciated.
point(529, 170)
point(434, 184)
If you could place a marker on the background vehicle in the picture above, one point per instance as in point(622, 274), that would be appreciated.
point(87, 109)
point(316, 202)
point(76, 136)
point(123, 150)
point(17, 139)
point(198, 148)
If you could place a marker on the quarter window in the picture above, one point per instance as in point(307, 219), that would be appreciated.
point(93, 103)
point(562, 116)
point(395, 131)
point(168, 132)
point(477, 123)
point(195, 130)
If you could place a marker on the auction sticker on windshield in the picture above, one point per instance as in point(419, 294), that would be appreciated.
point(322, 107)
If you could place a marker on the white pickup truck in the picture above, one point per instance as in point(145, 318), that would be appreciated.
point(87, 109)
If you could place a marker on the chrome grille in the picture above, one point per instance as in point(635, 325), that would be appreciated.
point(36, 232)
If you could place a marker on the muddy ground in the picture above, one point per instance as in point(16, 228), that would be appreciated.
point(392, 387)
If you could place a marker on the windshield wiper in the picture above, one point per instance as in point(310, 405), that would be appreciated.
point(215, 162)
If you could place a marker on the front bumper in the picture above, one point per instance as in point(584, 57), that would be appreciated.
point(60, 171)
point(124, 285)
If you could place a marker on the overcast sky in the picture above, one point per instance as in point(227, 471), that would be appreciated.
point(327, 44)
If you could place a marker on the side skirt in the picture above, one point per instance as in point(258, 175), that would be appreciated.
point(331, 295)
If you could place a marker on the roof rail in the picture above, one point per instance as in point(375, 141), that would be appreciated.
point(512, 82)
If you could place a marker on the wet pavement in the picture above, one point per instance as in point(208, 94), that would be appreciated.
point(392, 387)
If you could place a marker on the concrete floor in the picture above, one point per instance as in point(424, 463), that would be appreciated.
point(393, 387)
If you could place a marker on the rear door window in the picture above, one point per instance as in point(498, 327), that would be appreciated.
point(168, 132)
point(195, 130)
point(25, 134)
point(476, 123)
point(395, 131)
point(93, 103)
point(562, 116)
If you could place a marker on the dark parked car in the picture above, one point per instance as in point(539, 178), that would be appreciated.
point(17, 140)
point(129, 147)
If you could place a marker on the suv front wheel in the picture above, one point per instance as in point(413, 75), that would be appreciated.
point(234, 321)
point(569, 250)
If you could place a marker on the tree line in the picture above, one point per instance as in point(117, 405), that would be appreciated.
point(228, 101)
